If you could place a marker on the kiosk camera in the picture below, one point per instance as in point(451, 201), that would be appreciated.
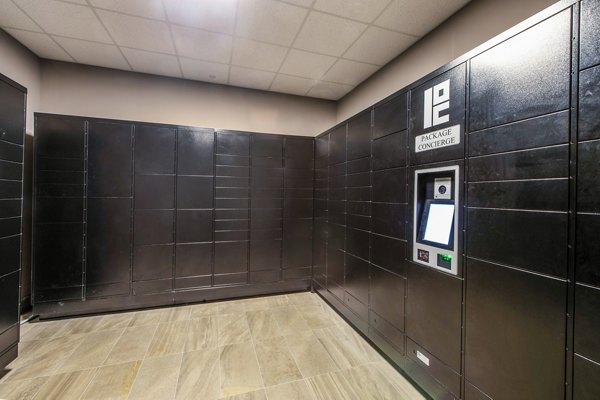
point(435, 241)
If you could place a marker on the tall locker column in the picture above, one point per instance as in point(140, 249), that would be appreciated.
point(12, 135)
point(109, 209)
point(232, 207)
point(154, 209)
point(587, 270)
point(298, 208)
point(59, 209)
point(321, 193)
point(387, 290)
point(195, 168)
point(358, 214)
point(517, 215)
point(266, 203)
point(336, 212)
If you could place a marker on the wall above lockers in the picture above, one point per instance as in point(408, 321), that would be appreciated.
point(23, 67)
point(75, 89)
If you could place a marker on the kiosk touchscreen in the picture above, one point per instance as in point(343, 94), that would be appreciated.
point(436, 214)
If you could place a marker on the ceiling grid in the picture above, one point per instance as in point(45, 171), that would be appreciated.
point(315, 48)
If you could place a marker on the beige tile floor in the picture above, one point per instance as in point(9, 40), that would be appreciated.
point(282, 347)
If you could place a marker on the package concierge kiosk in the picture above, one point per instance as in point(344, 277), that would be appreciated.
point(436, 205)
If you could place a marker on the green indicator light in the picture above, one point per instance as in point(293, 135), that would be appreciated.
point(446, 257)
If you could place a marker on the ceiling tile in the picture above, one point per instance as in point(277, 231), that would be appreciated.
point(362, 10)
point(141, 8)
point(319, 48)
point(66, 19)
point(204, 71)
point(199, 44)
point(291, 84)
point(327, 34)
point(379, 46)
point(212, 15)
point(250, 78)
point(12, 17)
point(307, 65)
point(138, 33)
point(41, 44)
point(269, 21)
point(329, 90)
point(152, 63)
point(418, 17)
point(99, 54)
point(349, 72)
point(252, 54)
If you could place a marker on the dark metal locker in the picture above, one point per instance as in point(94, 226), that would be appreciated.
point(298, 184)
point(60, 180)
point(12, 140)
point(110, 147)
point(154, 216)
point(532, 79)
point(231, 236)
point(590, 34)
point(108, 252)
point(515, 332)
point(586, 371)
point(359, 136)
point(390, 116)
point(431, 323)
point(267, 205)
point(321, 212)
point(358, 214)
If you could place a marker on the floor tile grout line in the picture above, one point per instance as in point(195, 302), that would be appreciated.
point(262, 378)
point(150, 342)
point(106, 358)
point(178, 375)
point(219, 378)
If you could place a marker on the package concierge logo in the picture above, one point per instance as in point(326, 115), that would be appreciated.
point(436, 101)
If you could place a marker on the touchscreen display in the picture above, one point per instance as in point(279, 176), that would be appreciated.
point(438, 225)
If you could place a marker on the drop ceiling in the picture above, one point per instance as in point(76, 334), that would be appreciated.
point(315, 48)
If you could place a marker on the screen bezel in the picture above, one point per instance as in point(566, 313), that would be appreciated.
point(425, 216)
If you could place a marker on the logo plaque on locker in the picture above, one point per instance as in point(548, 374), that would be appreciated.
point(437, 119)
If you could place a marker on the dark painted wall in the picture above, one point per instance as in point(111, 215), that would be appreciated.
point(131, 214)
point(12, 142)
point(512, 324)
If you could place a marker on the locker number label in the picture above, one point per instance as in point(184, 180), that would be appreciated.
point(424, 359)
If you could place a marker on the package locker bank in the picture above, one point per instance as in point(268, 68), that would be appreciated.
point(437, 242)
